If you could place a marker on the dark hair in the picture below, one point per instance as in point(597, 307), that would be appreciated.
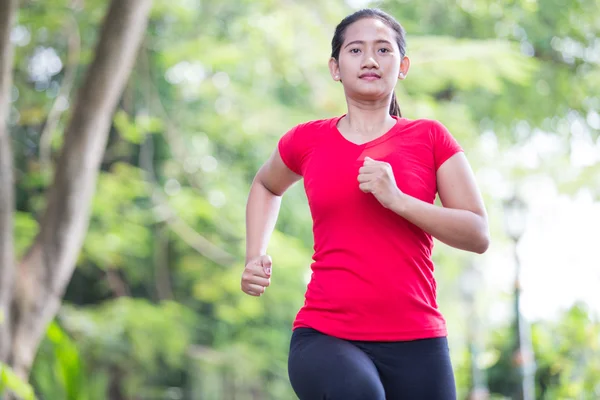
point(338, 39)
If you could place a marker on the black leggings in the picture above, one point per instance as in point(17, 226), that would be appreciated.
point(322, 367)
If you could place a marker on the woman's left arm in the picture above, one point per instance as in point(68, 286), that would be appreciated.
point(462, 221)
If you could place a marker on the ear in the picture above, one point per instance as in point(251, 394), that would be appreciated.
point(404, 67)
point(334, 69)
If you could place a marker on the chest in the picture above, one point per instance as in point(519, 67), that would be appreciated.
point(331, 176)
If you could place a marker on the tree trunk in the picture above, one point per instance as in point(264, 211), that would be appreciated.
point(115, 386)
point(43, 274)
point(7, 262)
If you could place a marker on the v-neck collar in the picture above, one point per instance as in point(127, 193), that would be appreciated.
point(372, 142)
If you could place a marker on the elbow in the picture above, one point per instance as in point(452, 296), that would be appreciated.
point(482, 246)
point(482, 243)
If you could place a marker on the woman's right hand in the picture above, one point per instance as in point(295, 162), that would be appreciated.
point(257, 275)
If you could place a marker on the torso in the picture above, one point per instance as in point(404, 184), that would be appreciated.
point(372, 271)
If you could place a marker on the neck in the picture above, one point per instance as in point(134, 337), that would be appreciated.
point(368, 119)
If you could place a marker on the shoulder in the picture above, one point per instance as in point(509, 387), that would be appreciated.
point(436, 126)
point(313, 127)
point(431, 129)
point(304, 135)
point(296, 145)
point(424, 124)
point(307, 134)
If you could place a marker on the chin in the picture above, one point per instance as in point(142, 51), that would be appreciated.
point(369, 95)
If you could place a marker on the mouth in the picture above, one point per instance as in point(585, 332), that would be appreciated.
point(371, 76)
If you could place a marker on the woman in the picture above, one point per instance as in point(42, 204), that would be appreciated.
point(370, 327)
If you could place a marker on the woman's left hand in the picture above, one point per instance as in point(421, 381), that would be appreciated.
point(377, 178)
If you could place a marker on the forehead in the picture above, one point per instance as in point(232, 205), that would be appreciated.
point(369, 29)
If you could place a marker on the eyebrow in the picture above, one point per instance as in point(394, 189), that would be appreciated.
point(363, 42)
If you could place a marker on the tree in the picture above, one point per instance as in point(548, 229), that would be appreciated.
point(40, 278)
point(7, 11)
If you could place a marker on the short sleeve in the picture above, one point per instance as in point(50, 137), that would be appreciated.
point(444, 144)
point(290, 150)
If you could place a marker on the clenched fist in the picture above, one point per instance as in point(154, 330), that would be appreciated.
point(257, 275)
point(377, 178)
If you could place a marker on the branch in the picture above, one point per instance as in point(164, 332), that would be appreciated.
point(74, 45)
point(172, 137)
point(198, 242)
point(8, 9)
point(162, 278)
point(117, 284)
point(172, 134)
point(177, 225)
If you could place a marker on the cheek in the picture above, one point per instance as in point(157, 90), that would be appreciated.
point(345, 65)
point(393, 67)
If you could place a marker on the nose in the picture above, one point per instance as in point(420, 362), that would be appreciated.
point(369, 62)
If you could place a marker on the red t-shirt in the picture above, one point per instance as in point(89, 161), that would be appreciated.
point(372, 273)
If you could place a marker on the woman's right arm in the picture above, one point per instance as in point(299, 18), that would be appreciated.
point(262, 210)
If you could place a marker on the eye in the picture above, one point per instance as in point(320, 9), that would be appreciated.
point(354, 51)
point(384, 50)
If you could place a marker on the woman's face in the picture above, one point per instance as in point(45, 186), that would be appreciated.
point(370, 62)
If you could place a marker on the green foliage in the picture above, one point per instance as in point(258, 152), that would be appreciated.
point(139, 342)
point(60, 371)
point(216, 84)
point(120, 231)
point(466, 65)
point(140, 336)
point(567, 356)
point(135, 131)
point(10, 382)
point(25, 230)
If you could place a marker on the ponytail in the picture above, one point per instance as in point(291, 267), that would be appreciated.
point(394, 107)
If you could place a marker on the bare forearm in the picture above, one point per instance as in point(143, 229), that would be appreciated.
point(262, 210)
point(462, 229)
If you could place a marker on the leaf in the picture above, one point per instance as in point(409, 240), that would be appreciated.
point(439, 61)
point(25, 230)
point(9, 381)
point(134, 131)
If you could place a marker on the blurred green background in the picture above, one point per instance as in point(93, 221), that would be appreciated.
point(154, 308)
